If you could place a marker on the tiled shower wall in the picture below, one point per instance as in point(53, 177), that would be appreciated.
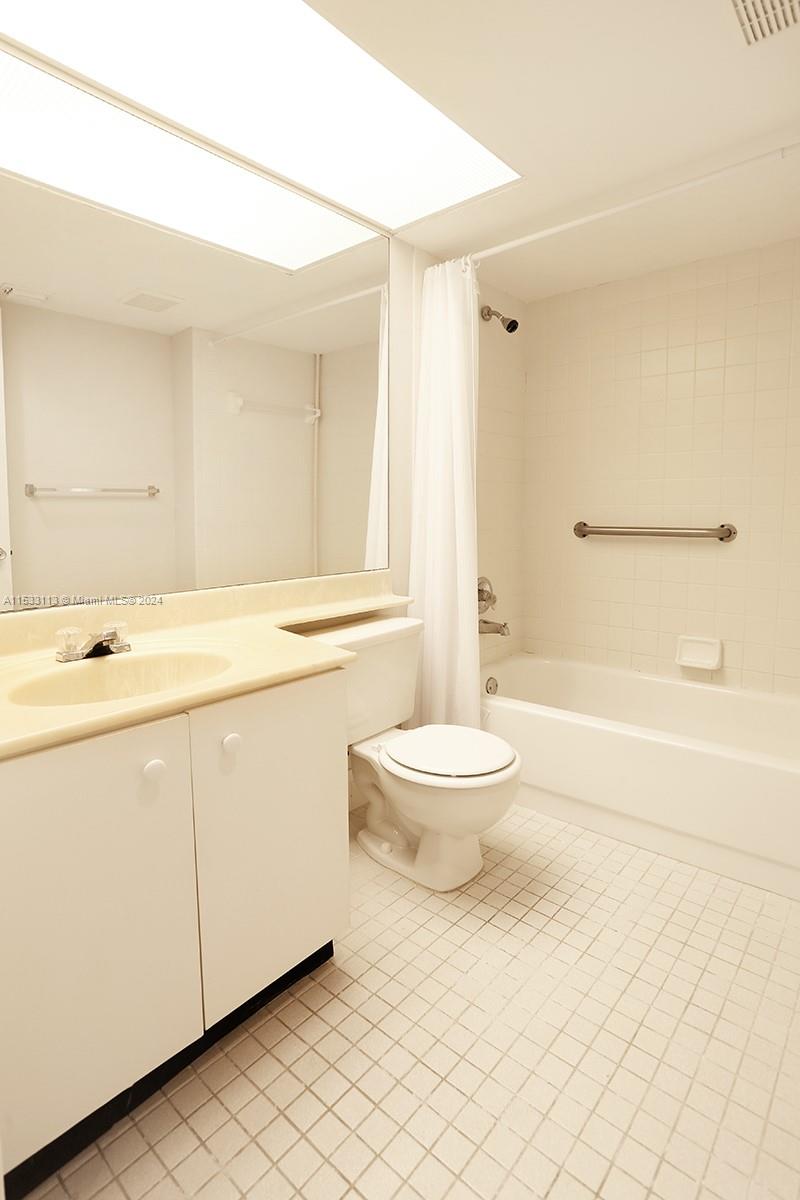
point(668, 399)
point(501, 405)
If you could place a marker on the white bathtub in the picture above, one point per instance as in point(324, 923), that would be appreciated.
point(705, 774)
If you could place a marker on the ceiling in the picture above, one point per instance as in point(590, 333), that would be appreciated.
point(271, 81)
point(597, 104)
point(86, 261)
point(594, 104)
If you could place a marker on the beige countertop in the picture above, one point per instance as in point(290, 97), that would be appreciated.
point(242, 627)
point(259, 655)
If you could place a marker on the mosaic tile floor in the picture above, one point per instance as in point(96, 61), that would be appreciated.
point(585, 1019)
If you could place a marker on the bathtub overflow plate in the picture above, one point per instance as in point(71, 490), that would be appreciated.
point(491, 685)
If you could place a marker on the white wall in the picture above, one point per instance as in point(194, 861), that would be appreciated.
point(348, 399)
point(252, 470)
point(88, 404)
point(182, 350)
point(6, 582)
point(97, 404)
point(668, 399)
point(501, 403)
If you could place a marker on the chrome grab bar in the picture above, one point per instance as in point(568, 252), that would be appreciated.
point(722, 533)
point(32, 490)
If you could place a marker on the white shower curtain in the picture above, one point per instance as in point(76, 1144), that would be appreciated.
point(376, 554)
point(444, 551)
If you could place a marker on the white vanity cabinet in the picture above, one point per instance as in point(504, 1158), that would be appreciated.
point(111, 848)
point(99, 963)
point(270, 798)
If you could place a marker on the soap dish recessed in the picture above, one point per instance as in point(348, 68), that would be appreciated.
point(699, 652)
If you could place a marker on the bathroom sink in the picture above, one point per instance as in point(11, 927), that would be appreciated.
point(119, 677)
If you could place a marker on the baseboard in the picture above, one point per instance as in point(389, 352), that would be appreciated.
point(709, 856)
point(45, 1162)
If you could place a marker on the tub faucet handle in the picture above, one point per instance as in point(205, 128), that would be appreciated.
point(486, 596)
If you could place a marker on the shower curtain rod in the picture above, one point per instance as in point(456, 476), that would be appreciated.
point(674, 190)
point(300, 312)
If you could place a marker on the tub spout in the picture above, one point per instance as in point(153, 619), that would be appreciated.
point(494, 627)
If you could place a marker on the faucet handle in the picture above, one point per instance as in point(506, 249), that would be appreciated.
point(486, 596)
point(69, 639)
point(115, 636)
point(116, 630)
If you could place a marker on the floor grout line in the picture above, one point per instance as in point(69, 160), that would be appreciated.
point(585, 1019)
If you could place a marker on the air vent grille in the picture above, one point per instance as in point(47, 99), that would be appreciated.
point(150, 302)
point(759, 19)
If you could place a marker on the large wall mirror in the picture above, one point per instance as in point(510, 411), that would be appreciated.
point(178, 415)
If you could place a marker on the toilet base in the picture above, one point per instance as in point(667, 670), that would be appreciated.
point(439, 861)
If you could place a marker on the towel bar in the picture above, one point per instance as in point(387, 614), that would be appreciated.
point(32, 490)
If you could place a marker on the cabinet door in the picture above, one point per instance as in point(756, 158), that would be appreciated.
point(270, 792)
point(99, 946)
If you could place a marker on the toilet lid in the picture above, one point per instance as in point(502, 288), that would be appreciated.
point(452, 750)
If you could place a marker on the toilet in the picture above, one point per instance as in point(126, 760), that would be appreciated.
point(432, 791)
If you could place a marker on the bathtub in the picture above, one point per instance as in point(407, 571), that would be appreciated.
point(705, 774)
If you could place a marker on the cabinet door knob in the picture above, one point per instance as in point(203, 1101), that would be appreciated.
point(231, 742)
point(154, 769)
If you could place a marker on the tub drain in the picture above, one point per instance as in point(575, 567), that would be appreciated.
point(491, 685)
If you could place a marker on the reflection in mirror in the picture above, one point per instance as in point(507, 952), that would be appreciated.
point(230, 418)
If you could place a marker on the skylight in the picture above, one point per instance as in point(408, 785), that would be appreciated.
point(61, 136)
point(279, 85)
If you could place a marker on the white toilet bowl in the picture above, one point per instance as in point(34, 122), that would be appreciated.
point(430, 792)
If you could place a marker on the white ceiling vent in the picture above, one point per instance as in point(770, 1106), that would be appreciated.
point(150, 302)
point(759, 19)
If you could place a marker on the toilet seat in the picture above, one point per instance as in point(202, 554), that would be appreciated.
point(444, 754)
point(426, 826)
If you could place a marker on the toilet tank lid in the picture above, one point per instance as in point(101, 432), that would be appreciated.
point(369, 633)
point(453, 750)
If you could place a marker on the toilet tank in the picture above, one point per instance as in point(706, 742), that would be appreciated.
point(382, 682)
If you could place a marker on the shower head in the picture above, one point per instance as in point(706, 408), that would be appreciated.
point(510, 324)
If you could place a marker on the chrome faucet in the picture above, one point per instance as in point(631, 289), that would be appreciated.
point(487, 600)
point(494, 627)
point(73, 644)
